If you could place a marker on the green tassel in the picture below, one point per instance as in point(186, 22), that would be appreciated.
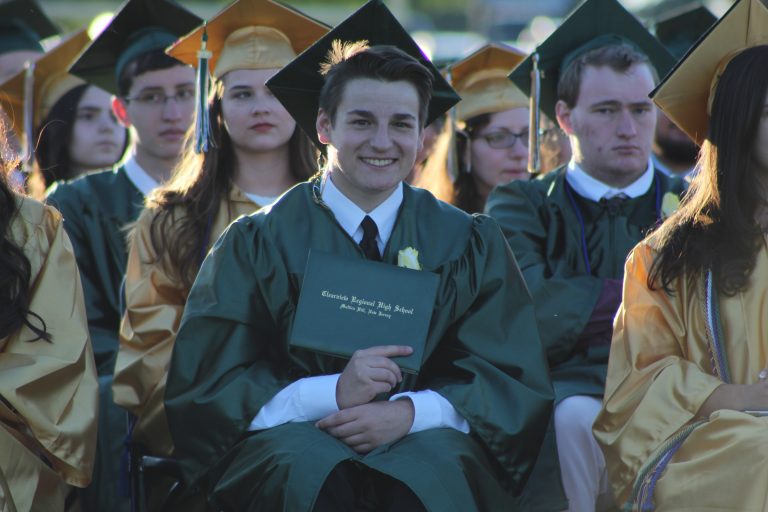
point(534, 155)
point(452, 162)
point(203, 137)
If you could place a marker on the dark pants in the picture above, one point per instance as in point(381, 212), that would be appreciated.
point(354, 487)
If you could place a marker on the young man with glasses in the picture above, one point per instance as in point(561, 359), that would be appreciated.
point(572, 229)
point(154, 96)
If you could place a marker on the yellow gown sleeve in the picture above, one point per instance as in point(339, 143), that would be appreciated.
point(653, 389)
point(49, 390)
point(154, 305)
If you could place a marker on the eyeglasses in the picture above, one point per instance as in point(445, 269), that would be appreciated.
point(157, 99)
point(501, 140)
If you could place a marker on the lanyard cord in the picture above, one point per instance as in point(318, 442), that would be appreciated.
point(582, 224)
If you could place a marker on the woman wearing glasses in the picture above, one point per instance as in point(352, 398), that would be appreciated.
point(256, 151)
point(491, 146)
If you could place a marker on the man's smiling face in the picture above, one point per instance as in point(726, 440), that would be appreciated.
point(375, 135)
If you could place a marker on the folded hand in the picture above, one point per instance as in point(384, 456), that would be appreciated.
point(369, 426)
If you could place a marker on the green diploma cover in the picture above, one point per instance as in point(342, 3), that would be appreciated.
point(347, 304)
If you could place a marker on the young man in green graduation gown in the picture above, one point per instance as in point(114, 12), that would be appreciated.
point(572, 229)
point(260, 426)
point(154, 96)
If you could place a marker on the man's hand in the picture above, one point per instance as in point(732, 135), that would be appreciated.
point(368, 373)
point(368, 426)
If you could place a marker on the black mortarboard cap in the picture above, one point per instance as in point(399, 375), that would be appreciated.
point(298, 84)
point(594, 24)
point(680, 29)
point(139, 27)
point(23, 24)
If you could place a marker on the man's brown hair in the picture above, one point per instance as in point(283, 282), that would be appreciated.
point(618, 57)
point(347, 61)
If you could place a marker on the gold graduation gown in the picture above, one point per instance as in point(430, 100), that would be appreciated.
point(660, 372)
point(48, 391)
point(154, 304)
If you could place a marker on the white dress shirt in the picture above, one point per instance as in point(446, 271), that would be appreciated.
point(595, 190)
point(138, 176)
point(313, 398)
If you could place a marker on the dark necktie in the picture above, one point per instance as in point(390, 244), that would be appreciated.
point(368, 243)
point(614, 204)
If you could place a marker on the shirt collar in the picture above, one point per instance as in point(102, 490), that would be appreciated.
point(349, 215)
point(138, 176)
point(595, 190)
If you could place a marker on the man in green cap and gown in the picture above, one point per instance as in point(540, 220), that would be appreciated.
point(263, 426)
point(572, 229)
point(154, 96)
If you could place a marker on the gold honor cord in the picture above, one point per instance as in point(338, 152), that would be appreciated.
point(29, 90)
point(534, 155)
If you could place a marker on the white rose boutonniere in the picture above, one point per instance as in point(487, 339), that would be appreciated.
point(669, 204)
point(408, 258)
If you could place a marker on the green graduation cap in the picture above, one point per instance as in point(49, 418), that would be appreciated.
point(139, 27)
point(594, 24)
point(298, 84)
point(680, 29)
point(23, 24)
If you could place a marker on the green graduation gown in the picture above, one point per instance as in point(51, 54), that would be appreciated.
point(231, 357)
point(543, 229)
point(97, 208)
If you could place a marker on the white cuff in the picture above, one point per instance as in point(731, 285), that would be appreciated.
point(307, 399)
point(317, 396)
point(432, 410)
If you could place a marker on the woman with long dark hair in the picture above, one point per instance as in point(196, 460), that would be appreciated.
point(79, 134)
point(48, 386)
point(257, 152)
point(687, 387)
point(491, 144)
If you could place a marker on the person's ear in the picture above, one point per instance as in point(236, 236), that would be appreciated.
point(120, 111)
point(323, 126)
point(563, 112)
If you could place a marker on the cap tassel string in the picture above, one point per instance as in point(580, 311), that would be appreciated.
point(29, 87)
point(203, 136)
point(534, 155)
point(452, 158)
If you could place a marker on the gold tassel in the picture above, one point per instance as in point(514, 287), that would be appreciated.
point(534, 154)
point(29, 112)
